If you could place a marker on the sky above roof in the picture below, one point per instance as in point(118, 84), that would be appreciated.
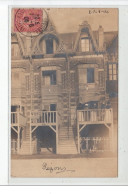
point(67, 20)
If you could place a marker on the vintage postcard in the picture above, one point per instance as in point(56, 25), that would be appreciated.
point(64, 92)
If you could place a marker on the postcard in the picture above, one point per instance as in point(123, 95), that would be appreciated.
point(64, 92)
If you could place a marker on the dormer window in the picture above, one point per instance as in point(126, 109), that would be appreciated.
point(49, 46)
point(85, 43)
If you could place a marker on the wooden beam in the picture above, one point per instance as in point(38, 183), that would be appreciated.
point(78, 134)
point(34, 129)
point(30, 136)
point(107, 126)
point(14, 129)
point(52, 128)
point(82, 127)
point(57, 135)
point(18, 140)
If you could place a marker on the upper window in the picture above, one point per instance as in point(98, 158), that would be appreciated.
point(112, 72)
point(90, 75)
point(85, 44)
point(49, 46)
point(49, 77)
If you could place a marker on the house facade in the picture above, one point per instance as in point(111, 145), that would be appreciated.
point(64, 91)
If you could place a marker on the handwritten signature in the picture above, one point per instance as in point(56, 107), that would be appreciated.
point(98, 11)
point(57, 169)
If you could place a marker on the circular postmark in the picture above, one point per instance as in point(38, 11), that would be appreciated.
point(30, 21)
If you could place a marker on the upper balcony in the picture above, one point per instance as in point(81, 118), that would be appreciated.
point(95, 116)
point(17, 119)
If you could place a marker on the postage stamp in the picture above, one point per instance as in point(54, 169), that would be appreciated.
point(29, 20)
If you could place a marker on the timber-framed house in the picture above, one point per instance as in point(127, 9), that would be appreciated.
point(64, 91)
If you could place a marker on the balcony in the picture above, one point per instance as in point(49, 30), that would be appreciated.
point(17, 119)
point(95, 116)
point(44, 118)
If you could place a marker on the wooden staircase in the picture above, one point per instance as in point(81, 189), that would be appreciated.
point(66, 142)
point(25, 146)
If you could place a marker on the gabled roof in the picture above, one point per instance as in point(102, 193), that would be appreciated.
point(70, 38)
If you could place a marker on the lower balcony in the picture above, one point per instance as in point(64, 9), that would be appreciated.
point(95, 116)
point(18, 119)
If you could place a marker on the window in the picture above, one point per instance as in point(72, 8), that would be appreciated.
point(49, 77)
point(90, 75)
point(52, 107)
point(49, 46)
point(112, 71)
point(85, 44)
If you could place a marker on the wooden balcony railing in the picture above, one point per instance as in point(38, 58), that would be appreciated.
point(18, 118)
point(44, 117)
point(91, 116)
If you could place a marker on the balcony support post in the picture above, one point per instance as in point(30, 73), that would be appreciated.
point(56, 134)
point(112, 136)
point(30, 136)
point(18, 135)
point(78, 134)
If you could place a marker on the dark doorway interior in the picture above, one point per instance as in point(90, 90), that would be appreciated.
point(95, 131)
point(46, 140)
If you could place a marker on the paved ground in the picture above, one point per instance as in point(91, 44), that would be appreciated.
point(64, 167)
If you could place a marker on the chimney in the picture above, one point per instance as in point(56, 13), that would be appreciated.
point(101, 38)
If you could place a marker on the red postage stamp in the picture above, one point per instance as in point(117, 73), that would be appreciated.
point(28, 20)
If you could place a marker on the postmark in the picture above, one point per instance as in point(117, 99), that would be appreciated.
point(30, 21)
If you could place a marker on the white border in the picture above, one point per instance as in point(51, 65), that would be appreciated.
point(123, 95)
